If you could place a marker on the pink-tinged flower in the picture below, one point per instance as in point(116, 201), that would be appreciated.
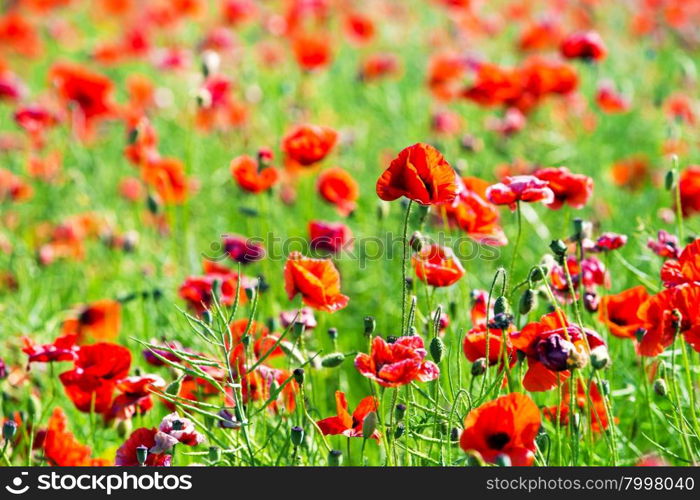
point(573, 189)
point(62, 349)
point(586, 45)
point(609, 241)
point(305, 316)
point(243, 250)
point(181, 429)
point(127, 453)
point(135, 397)
point(686, 269)
point(525, 188)
point(329, 236)
point(400, 363)
point(665, 245)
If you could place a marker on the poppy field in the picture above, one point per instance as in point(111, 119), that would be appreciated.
point(349, 233)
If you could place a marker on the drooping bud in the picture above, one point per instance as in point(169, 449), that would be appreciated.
point(332, 360)
point(527, 301)
point(600, 358)
point(399, 430)
point(479, 367)
point(437, 349)
point(501, 306)
point(370, 325)
point(152, 204)
point(660, 387)
point(298, 374)
point(399, 412)
point(536, 274)
point(558, 247)
point(124, 427)
point(369, 425)
point(9, 429)
point(297, 435)
point(335, 458)
point(333, 334)
point(417, 241)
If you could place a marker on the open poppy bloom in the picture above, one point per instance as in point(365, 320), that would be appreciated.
point(308, 144)
point(437, 265)
point(317, 280)
point(376, 66)
point(251, 176)
point(400, 363)
point(312, 51)
point(62, 449)
point(135, 397)
point(475, 343)
point(686, 269)
point(598, 418)
point(474, 215)
point(346, 424)
point(573, 189)
point(689, 185)
point(259, 384)
point(526, 188)
point(167, 177)
point(198, 291)
point(62, 349)
point(553, 346)
point(620, 312)
point(671, 311)
point(99, 320)
point(583, 45)
point(97, 370)
point(506, 426)
point(127, 453)
point(337, 187)
point(420, 173)
point(181, 429)
point(329, 236)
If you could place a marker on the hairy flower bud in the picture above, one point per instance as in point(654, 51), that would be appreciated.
point(437, 349)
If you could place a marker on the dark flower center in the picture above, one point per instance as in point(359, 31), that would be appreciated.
point(497, 441)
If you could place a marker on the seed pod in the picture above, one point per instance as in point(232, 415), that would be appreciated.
point(503, 460)
point(335, 458)
point(141, 454)
point(9, 429)
point(660, 387)
point(437, 349)
point(332, 360)
point(527, 301)
point(369, 425)
point(578, 229)
point(297, 435)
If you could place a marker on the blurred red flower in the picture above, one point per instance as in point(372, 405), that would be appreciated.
point(329, 236)
point(308, 144)
point(337, 187)
point(62, 449)
point(573, 189)
point(586, 45)
point(526, 188)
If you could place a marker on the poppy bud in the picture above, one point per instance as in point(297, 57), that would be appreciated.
point(454, 434)
point(298, 375)
point(577, 359)
point(503, 460)
point(413, 331)
point(214, 454)
point(9, 429)
point(639, 334)
point(124, 427)
point(479, 367)
point(370, 325)
point(297, 435)
point(536, 273)
point(299, 328)
point(527, 301)
point(501, 321)
point(578, 229)
point(660, 387)
point(554, 352)
point(600, 358)
point(245, 340)
point(141, 454)
point(417, 241)
point(474, 459)
point(272, 324)
point(437, 349)
point(501, 306)
point(333, 334)
point(152, 204)
point(391, 339)
point(558, 247)
point(206, 316)
point(250, 292)
point(133, 135)
point(33, 408)
point(605, 387)
point(369, 425)
point(591, 301)
point(332, 360)
point(670, 180)
point(452, 307)
point(335, 458)
point(399, 430)
point(400, 411)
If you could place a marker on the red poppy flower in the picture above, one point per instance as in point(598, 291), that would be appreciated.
point(62, 349)
point(376, 66)
point(99, 320)
point(127, 453)
point(181, 429)
point(598, 418)
point(359, 28)
point(135, 397)
point(607, 242)
point(526, 188)
point(346, 424)
point(573, 189)
point(329, 236)
point(611, 101)
point(689, 186)
point(62, 449)
point(589, 273)
point(90, 92)
point(476, 340)
point(684, 270)
point(97, 370)
point(198, 291)
point(544, 34)
point(250, 177)
point(19, 34)
point(420, 173)
point(337, 187)
point(494, 86)
point(445, 74)
point(621, 312)
point(400, 363)
point(670, 311)
point(12, 188)
point(437, 265)
point(552, 346)
point(259, 384)
point(308, 144)
point(680, 108)
point(506, 426)
point(263, 341)
point(317, 280)
point(312, 51)
point(474, 215)
point(583, 45)
point(167, 176)
point(243, 250)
